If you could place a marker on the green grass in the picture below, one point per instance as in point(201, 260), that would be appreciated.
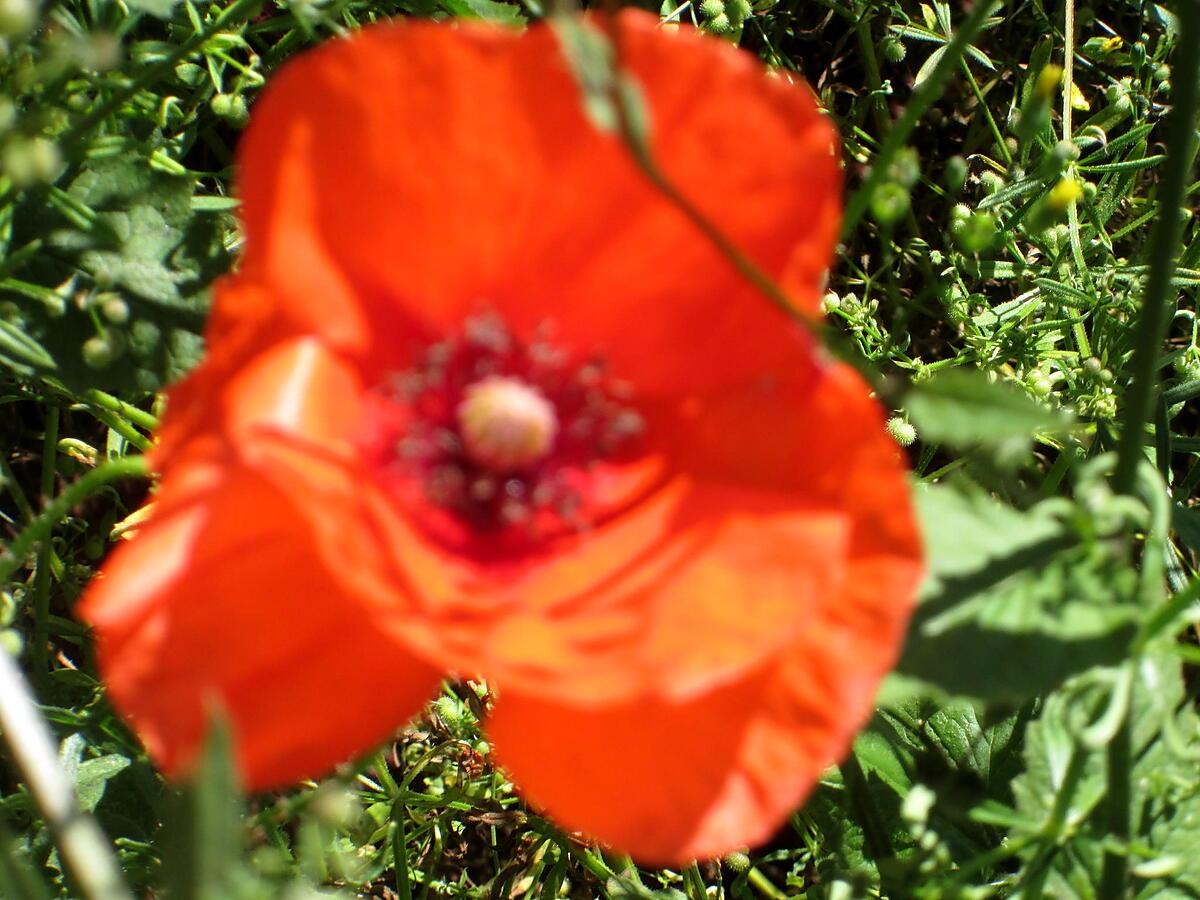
point(1042, 736)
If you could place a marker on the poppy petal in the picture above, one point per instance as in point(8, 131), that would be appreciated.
point(222, 603)
point(471, 178)
point(776, 505)
point(670, 781)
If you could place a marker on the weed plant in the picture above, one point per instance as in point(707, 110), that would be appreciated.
point(1011, 269)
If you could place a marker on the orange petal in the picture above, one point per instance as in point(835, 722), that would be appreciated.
point(222, 601)
point(770, 505)
point(670, 781)
point(469, 177)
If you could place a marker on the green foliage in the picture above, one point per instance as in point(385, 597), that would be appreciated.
point(995, 270)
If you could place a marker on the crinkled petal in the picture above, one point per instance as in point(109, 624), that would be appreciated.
point(469, 178)
point(669, 781)
point(774, 507)
point(222, 602)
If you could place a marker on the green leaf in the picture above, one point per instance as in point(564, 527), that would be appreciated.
point(161, 9)
point(930, 64)
point(488, 10)
point(1015, 603)
point(93, 777)
point(19, 880)
point(991, 753)
point(203, 860)
point(121, 236)
point(1059, 796)
point(962, 409)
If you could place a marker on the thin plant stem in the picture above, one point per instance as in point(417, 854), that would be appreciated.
point(39, 529)
point(139, 417)
point(764, 885)
point(38, 652)
point(922, 98)
point(1150, 330)
point(1164, 244)
point(1068, 111)
point(82, 846)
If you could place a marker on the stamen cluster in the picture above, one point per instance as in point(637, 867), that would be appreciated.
point(587, 419)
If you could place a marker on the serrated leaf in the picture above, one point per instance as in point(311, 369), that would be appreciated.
point(962, 409)
point(1065, 782)
point(1014, 604)
point(122, 228)
point(964, 529)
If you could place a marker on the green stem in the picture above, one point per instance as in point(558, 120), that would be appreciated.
point(38, 652)
point(1114, 875)
point(1068, 111)
point(764, 885)
point(138, 417)
point(1164, 244)
point(922, 98)
point(151, 74)
point(39, 529)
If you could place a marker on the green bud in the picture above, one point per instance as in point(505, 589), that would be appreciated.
point(1162, 73)
point(100, 351)
point(737, 862)
point(710, 9)
point(955, 176)
point(115, 310)
point(1066, 152)
point(992, 181)
point(11, 642)
point(905, 168)
point(448, 711)
point(893, 49)
point(739, 10)
point(231, 107)
point(889, 203)
point(29, 161)
point(902, 432)
point(830, 302)
point(977, 232)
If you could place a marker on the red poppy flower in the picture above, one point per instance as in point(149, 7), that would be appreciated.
point(480, 400)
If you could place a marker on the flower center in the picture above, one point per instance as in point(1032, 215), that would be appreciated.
point(504, 435)
point(506, 424)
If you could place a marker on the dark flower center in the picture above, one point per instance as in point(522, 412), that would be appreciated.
point(502, 433)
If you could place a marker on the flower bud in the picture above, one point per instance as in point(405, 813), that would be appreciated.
point(1064, 195)
point(100, 351)
point(231, 107)
point(955, 176)
point(893, 49)
point(889, 203)
point(902, 432)
point(737, 862)
point(1048, 81)
point(29, 161)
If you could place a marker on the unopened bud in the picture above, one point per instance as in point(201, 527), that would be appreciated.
point(902, 432)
